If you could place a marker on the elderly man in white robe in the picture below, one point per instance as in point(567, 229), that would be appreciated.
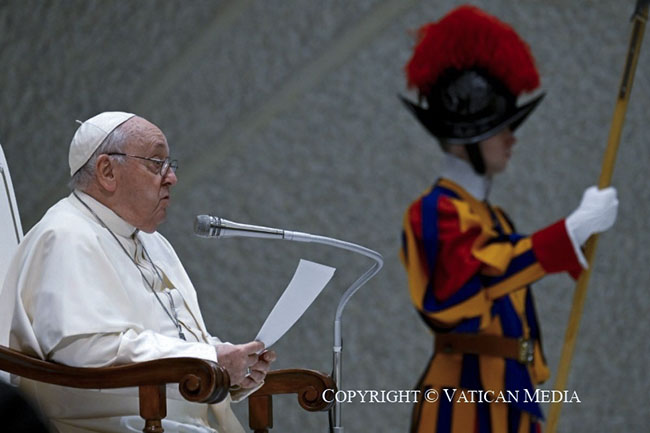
point(93, 284)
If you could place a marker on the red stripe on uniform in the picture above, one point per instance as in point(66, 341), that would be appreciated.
point(456, 264)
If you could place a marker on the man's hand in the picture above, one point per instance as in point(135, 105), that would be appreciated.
point(244, 366)
point(259, 369)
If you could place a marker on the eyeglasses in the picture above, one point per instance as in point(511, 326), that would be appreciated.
point(163, 164)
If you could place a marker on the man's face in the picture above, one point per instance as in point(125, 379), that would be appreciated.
point(497, 151)
point(143, 193)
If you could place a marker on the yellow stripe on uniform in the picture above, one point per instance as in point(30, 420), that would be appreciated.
point(517, 281)
point(463, 416)
point(478, 305)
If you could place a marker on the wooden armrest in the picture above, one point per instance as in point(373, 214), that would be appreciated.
point(198, 380)
point(308, 384)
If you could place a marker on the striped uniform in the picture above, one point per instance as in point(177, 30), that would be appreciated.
point(469, 273)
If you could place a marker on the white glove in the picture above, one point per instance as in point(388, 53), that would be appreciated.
point(596, 213)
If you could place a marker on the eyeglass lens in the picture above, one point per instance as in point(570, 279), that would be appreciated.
point(168, 164)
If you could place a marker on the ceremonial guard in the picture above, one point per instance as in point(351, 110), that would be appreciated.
point(469, 270)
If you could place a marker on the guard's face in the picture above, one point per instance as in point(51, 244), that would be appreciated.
point(144, 193)
point(497, 151)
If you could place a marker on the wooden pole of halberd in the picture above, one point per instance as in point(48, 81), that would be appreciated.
point(609, 159)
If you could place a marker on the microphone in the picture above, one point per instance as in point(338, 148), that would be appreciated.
point(208, 226)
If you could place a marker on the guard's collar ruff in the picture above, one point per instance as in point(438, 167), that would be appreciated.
point(461, 172)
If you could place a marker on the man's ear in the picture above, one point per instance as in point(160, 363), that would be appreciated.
point(105, 174)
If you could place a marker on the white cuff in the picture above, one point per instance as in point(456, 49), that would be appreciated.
point(238, 393)
point(576, 247)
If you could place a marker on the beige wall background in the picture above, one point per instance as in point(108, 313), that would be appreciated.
point(285, 113)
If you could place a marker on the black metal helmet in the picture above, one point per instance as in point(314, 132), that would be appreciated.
point(469, 106)
point(469, 68)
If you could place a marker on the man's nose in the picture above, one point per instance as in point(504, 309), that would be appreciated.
point(170, 178)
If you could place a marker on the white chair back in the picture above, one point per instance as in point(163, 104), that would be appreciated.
point(11, 233)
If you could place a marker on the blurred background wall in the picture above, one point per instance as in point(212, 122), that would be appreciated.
point(285, 113)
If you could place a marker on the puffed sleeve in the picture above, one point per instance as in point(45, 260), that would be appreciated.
point(458, 263)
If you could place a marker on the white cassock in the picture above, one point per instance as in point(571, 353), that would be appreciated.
point(76, 297)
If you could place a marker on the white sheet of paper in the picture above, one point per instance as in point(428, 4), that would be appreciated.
point(308, 281)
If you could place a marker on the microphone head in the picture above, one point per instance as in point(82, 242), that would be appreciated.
point(202, 225)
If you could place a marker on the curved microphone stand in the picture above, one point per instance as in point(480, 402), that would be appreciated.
point(335, 414)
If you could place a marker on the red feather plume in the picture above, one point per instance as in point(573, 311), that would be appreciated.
point(468, 37)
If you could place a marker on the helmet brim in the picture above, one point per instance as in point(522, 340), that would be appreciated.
point(513, 119)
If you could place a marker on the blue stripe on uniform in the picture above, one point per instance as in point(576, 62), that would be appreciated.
point(517, 264)
point(469, 289)
point(444, 415)
point(430, 228)
point(531, 316)
point(514, 416)
point(483, 417)
point(518, 379)
point(469, 376)
point(468, 325)
point(510, 321)
point(516, 374)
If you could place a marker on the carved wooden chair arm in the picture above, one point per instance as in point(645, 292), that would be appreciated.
point(309, 385)
point(199, 380)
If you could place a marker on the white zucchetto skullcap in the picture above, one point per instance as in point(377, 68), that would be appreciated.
point(91, 134)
